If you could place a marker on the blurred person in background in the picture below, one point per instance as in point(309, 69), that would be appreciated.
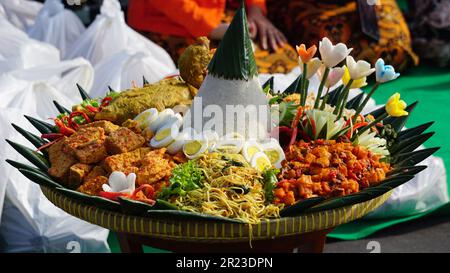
point(175, 24)
point(373, 28)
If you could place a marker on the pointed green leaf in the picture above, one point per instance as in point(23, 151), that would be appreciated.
point(377, 112)
point(293, 87)
point(413, 131)
point(395, 181)
point(33, 139)
point(412, 158)
point(19, 165)
point(411, 170)
point(84, 95)
point(300, 206)
point(342, 201)
point(234, 58)
point(144, 81)
point(133, 207)
point(409, 144)
point(355, 102)
point(61, 109)
point(77, 196)
point(104, 203)
point(268, 84)
point(39, 179)
point(333, 95)
point(41, 126)
point(110, 89)
point(34, 157)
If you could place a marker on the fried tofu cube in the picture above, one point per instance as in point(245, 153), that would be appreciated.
point(77, 173)
point(121, 162)
point(83, 136)
point(96, 171)
point(123, 140)
point(91, 152)
point(93, 186)
point(108, 126)
point(154, 168)
point(59, 160)
point(87, 145)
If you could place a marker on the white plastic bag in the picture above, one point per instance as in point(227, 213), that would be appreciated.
point(35, 89)
point(29, 222)
point(119, 70)
point(18, 51)
point(21, 13)
point(57, 26)
point(109, 34)
point(425, 192)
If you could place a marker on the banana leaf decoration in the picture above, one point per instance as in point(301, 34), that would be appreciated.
point(294, 87)
point(84, 95)
point(268, 85)
point(61, 109)
point(144, 81)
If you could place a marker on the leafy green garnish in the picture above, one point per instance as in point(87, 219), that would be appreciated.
point(288, 110)
point(112, 94)
point(90, 102)
point(185, 177)
point(270, 181)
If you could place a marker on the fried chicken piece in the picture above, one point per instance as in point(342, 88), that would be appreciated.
point(166, 93)
point(154, 167)
point(123, 140)
point(193, 62)
point(59, 160)
point(93, 186)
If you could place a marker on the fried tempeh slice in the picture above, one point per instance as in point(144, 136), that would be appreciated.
point(77, 173)
point(123, 140)
point(122, 162)
point(59, 160)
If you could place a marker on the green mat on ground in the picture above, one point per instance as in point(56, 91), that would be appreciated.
point(431, 87)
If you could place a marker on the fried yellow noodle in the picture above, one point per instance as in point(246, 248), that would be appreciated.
point(231, 189)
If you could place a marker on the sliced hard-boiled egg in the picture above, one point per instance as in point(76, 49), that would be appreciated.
point(181, 109)
point(260, 161)
point(274, 152)
point(177, 144)
point(193, 148)
point(250, 148)
point(163, 117)
point(233, 146)
point(165, 136)
point(146, 118)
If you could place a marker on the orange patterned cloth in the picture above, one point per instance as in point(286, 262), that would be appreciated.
point(308, 21)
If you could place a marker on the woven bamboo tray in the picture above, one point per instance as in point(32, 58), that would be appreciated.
point(183, 229)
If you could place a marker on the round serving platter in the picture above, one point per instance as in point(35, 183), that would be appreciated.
point(185, 229)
